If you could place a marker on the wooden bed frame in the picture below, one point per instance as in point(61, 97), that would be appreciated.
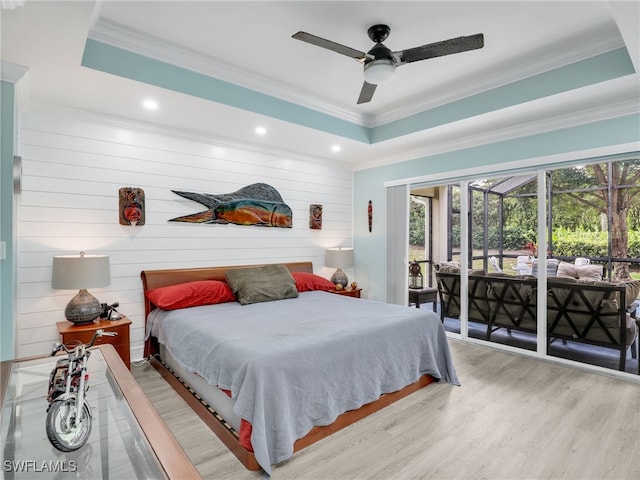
point(161, 278)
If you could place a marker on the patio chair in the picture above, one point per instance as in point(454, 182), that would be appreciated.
point(523, 265)
point(494, 264)
point(552, 267)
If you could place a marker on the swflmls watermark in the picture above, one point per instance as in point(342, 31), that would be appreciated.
point(44, 466)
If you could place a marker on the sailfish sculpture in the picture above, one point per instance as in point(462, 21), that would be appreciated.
point(255, 204)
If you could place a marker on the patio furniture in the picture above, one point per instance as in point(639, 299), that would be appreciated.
point(637, 340)
point(523, 265)
point(585, 311)
point(494, 264)
point(424, 295)
point(580, 272)
point(552, 267)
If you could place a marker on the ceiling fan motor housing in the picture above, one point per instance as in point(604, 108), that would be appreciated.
point(378, 33)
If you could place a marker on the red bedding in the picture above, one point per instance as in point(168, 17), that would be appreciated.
point(245, 429)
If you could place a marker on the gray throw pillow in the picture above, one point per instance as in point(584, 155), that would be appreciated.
point(261, 284)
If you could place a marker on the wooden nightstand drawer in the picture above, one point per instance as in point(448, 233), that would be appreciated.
point(70, 332)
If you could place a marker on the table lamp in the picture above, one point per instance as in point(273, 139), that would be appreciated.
point(339, 258)
point(81, 272)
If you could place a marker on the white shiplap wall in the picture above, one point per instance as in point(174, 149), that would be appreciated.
point(72, 170)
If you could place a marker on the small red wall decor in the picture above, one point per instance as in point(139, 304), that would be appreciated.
point(131, 206)
point(315, 216)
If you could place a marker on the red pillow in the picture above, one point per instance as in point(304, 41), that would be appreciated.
point(306, 281)
point(191, 294)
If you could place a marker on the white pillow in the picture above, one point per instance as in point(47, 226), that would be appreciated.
point(581, 272)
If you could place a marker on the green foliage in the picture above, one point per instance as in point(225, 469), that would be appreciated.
point(516, 236)
point(579, 207)
point(583, 243)
point(633, 220)
point(455, 236)
point(492, 242)
point(416, 224)
point(521, 212)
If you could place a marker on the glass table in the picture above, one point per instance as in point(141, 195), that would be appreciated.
point(128, 439)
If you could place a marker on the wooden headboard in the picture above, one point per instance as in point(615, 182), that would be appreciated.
point(163, 278)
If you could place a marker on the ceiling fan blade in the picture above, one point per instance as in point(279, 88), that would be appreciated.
point(329, 45)
point(366, 94)
point(439, 49)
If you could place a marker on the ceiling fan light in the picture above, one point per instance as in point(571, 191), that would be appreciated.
point(379, 71)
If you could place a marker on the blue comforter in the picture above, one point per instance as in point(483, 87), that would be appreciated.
point(296, 363)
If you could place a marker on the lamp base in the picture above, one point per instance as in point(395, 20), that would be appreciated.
point(83, 308)
point(339, 278)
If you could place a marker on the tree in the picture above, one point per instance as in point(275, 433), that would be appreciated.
point(416, 224)
point(612, 190)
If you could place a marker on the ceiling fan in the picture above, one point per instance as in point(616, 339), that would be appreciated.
point(380, 63)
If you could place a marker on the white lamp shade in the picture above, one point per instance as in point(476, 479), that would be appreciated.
point(71, 272)
point(339, 258)
point(379, 71)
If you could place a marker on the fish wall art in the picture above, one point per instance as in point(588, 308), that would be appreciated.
point(256, 204)
point(131, 203)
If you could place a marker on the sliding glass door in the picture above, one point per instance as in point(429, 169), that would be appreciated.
point(595, 236)
point(507, 254)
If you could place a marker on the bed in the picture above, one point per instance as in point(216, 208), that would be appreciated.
point(272, 377)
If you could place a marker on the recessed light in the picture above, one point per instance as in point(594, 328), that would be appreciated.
point(336, 148)
point(150, 104)
point(261, 130)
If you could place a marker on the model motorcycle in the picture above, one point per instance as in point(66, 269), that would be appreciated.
point(68, 421)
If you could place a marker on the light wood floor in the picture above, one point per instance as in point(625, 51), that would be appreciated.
point(513, 417)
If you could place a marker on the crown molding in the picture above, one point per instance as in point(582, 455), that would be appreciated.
point(624, 149)
point(547, 58)
point(132, 40)
point(466, 140)
point(543, 60)
point(10, 72)
point(501, 125)
point(613, 99)
point(11, 4)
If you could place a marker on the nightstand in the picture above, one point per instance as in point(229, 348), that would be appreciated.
point(70, 332)
point(349, 292)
